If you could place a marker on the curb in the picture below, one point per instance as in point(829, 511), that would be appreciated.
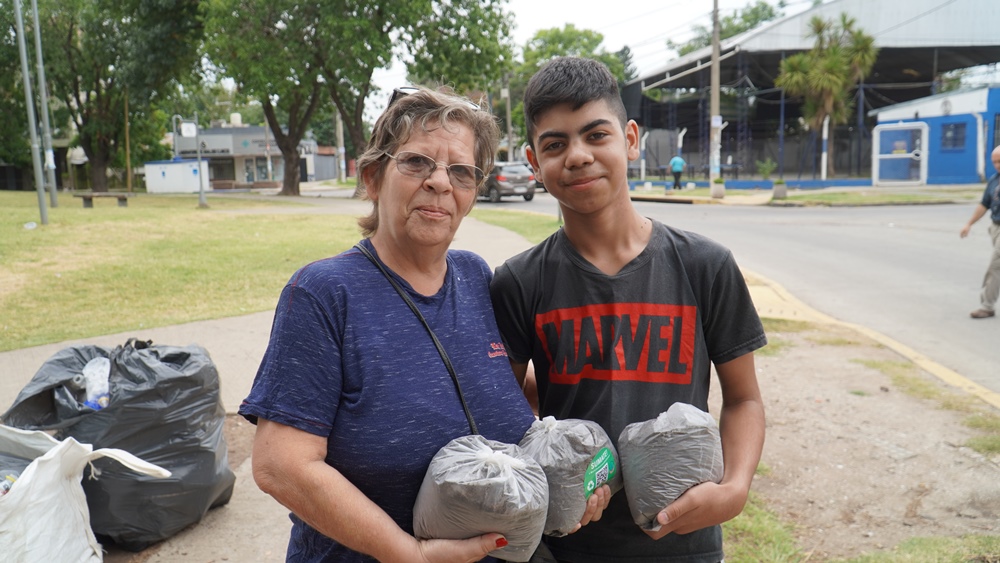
point(774, 301)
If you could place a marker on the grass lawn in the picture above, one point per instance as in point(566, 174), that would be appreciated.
point(158, 262)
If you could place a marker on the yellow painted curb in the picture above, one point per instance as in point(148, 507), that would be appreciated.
point(772, 300)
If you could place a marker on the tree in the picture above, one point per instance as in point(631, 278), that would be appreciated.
point(567, 41)
point(268, 47)
point(287, 54)
point(211, 100)
point(466, 46)
point(100, 51)
point(730, 26)
point(629, 71)
point(325, 130)
point(825, 75)
point(14, 146)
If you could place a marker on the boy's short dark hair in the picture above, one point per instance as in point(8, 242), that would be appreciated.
point(570, 80)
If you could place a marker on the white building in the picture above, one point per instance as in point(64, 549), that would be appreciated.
point(238, 155)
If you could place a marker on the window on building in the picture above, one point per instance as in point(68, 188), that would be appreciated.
point(953, 136)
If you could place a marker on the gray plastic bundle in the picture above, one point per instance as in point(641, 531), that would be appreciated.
point(475, 486)
point(665, 456)
point(577, 457)
point(164, 407)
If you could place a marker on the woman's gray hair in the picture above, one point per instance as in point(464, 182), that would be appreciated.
point(424, 109)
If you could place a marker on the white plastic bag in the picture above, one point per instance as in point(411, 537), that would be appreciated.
point(665, 456)
point(44, 517)
point(577, 457)
point(475, 486)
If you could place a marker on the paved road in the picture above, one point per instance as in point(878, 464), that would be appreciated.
point(900, 270)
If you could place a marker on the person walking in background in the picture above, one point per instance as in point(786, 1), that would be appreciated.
point(622, 316)
point(989, 204)
point(352, 398)
point(677, 165)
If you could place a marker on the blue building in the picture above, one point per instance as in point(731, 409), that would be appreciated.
point(941, 139)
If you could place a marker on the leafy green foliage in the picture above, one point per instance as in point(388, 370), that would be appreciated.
point(288, 55)
point(14, 146)
point(567, 41)
point(270, 49)
point(766, 167)
point(100, 51)
point(464, 45)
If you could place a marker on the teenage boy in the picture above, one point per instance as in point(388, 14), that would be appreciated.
point(621, 316)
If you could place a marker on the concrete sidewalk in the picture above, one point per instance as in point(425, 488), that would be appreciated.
point(253, 527)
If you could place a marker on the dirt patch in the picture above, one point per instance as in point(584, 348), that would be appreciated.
point(857, 465)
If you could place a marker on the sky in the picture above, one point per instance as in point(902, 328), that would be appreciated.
point(643, 25)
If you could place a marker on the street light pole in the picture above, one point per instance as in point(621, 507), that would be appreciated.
point(341, 151)
point(715, 158)
point(201, 177)
point(32, 124)
point(43, 95)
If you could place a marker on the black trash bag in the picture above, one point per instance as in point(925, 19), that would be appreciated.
point(165, 408)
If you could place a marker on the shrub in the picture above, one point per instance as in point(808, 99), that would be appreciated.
point(766, 167)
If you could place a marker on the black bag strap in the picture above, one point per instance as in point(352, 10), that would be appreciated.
point(437, 343)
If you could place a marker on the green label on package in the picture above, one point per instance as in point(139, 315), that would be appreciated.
point(601, 470)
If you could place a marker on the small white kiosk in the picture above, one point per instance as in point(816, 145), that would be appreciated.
point(182, 176)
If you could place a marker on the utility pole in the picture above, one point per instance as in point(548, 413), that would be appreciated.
point(510, 125)
point(341, 150)
point(267, 149)
point(43, 95)
point(32, 124)
point(715, 146)
point(128, 150)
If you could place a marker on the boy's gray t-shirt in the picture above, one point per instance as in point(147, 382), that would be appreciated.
point(621, 349)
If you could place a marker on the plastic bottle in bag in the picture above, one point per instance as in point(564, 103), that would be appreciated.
point(96, 374)
point(7, 478)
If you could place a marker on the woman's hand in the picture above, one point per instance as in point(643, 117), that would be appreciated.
point(459, 551)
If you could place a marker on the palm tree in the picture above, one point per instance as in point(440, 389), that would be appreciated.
point(825, 75)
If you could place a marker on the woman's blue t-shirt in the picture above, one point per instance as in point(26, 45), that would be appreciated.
point(349, 361)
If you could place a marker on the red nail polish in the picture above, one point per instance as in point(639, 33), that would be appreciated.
point(502, 542)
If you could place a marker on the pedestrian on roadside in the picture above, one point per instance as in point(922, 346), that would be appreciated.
point(989, 203)
point(677, 165)
point(621, 316)
point(353, 398)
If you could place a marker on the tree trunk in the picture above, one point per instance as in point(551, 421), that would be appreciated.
point(290, 182)
point(351, 110)
point(300, 110)
point(97, 158)
point(98, 176)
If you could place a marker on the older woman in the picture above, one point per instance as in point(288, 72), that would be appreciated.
point(353, 398)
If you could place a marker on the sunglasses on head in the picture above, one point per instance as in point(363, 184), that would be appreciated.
point(403, 91)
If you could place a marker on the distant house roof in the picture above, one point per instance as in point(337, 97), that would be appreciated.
point(918, 39)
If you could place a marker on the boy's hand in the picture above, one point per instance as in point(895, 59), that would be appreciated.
point(699, 507)
point(596, 505)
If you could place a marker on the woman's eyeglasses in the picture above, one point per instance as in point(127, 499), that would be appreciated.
point(462, 176)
